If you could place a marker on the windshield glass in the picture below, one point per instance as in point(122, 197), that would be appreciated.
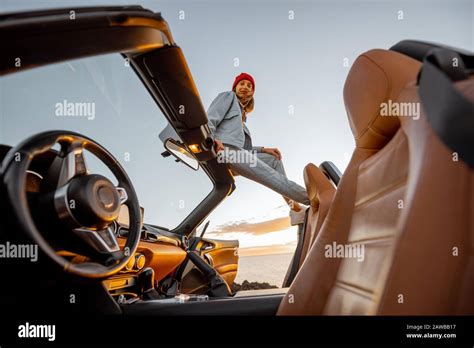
point(102, 98)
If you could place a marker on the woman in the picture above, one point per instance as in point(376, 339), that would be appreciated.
point(227, 117)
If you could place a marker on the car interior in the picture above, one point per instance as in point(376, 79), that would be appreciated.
point(406, 196)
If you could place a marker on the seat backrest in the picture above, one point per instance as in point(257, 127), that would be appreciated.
point(430, 266)
point(321, 193)
point(387, 245)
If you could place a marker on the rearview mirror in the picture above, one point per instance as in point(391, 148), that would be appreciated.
point(181, 153)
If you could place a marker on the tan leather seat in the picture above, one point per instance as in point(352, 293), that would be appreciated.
point(403, 199)
point(321, 193)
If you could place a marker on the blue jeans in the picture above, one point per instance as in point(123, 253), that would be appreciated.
point(265, 169)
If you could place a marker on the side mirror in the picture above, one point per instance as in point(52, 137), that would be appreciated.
point(181, 153)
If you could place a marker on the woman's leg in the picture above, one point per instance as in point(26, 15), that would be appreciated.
point(256, 167)
point(277, 164)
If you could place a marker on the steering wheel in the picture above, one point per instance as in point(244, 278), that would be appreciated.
point(97, 201)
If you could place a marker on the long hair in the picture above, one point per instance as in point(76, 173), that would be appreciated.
point(247, 105)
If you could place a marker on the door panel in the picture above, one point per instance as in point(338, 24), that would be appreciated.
point(222, 255)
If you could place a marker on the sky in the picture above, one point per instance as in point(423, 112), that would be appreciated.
point(299, 53)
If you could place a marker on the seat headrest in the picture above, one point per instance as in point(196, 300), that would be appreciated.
point(316, 184)
point(376, 77)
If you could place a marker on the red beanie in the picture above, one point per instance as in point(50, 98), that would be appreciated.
point(243, 76)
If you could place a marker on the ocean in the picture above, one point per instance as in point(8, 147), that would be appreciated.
point(264, 268)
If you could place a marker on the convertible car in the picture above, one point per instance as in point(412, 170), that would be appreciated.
point(406, 198)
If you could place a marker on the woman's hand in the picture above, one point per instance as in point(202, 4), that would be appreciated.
point(218, 145)
point(272, 151)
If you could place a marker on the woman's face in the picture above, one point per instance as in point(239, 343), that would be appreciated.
point(244, 89)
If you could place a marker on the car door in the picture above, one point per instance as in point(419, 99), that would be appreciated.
point(220, 254)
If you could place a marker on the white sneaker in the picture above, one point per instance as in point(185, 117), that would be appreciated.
point(297, 217)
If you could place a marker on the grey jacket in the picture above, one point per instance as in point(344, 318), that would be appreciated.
point(225, 121)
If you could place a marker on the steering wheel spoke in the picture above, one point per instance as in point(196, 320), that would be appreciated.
point(122, 194)
point(73, 164)
point(102, 241)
